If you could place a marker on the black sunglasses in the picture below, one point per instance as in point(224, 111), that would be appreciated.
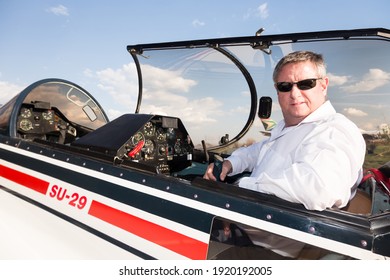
point(302, 85)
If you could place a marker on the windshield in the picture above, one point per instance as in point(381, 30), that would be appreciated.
point(45, 108)
point(76, 105)
point(204, 88)
point(200, 86)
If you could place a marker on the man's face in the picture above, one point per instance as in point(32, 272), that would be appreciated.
point(298, 104)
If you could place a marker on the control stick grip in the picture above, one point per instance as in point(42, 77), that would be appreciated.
point(218, 161)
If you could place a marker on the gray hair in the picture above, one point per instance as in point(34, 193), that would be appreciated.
point(301, 56)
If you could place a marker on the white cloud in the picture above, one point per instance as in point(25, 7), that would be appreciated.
point(121, 84)
point(167, 80)
point(335, 80)
point(354, 112)
point(261, 11)
point(59, 10)
point(8, 90)
point(375, 78)
point(164, 93)
point(198, 23)
point(163, 86)
point(113, 114)
point(88, 73)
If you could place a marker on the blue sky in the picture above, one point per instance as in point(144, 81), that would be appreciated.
point(85, 41)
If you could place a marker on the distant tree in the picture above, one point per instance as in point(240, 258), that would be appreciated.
point(371, 148)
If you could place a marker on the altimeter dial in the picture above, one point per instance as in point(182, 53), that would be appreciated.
point(148, 147)
point(25, 113)
point(26, 125)
point(137, 138)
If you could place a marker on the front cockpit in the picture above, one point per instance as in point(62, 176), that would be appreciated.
point(52, 110)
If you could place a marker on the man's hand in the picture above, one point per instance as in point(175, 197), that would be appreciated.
point(226, 169)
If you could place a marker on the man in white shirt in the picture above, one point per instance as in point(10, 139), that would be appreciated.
point(314, 156)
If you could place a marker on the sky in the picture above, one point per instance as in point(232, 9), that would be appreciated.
point(85, 41)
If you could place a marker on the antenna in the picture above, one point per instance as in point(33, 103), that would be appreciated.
point(258, 32)
point(263, 46)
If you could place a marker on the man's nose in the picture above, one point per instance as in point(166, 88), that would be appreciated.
point(295, 92)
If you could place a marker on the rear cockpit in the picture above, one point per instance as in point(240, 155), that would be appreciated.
point(159, 142)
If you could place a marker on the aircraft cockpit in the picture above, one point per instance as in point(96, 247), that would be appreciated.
point(52, 110)
point(56, 112)
point(40, 120)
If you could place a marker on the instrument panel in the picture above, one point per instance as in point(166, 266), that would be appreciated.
point(158, 143)
point(43, 123)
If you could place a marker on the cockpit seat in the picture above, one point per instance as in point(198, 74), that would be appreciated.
point(361, 203)
point(373, 194)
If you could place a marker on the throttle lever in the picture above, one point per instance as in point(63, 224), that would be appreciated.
point(218, 162)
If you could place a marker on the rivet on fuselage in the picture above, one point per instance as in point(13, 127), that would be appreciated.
point(143, 180)
point(101, 168)
point(84, 164)
point(312, 229)
point(168, 188)
point(364, 243)
point(269, 216)
point(195, 196)
point(227, 205)
point(53, 155)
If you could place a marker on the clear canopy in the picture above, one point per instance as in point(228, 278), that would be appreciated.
point(213, 96)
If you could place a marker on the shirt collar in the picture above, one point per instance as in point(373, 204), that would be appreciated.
point(322, 112)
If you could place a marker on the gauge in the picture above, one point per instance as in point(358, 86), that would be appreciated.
point(160, 134)
point(162, 150)
point(26, 125)
point(25, 113)
point(171, 134)
point(137, 137)
point(149, 129)
point(170, 151)
point(48, 115)
point(148, 147)
point(177, 147)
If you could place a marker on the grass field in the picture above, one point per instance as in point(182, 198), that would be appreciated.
point(378, 153)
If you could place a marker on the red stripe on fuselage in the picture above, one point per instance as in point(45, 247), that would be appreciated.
point(24, 179)
point(174, 241)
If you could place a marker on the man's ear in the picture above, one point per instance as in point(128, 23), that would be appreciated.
point(324, 84)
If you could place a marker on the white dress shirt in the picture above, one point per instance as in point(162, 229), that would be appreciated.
point(317, 163)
